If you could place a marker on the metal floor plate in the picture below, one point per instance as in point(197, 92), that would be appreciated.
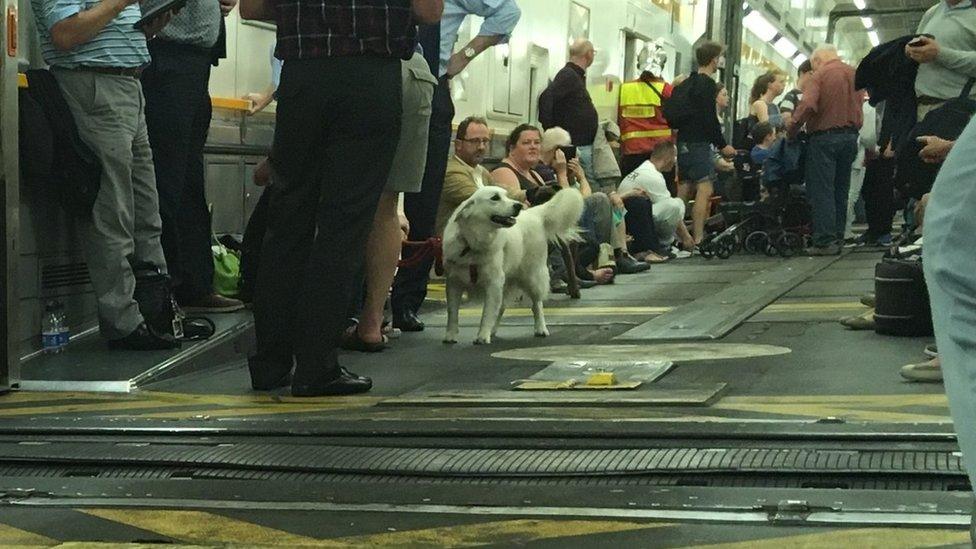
point(716, 314)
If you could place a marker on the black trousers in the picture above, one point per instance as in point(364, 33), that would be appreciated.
point(337, 129)
point(640, 225)
point(879, 196)
point(178, 115)
point(410, 284)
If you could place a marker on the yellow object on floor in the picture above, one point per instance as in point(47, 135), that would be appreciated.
point(602, 379)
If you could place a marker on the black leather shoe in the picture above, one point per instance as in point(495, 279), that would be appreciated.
point(144, 339)
point(342, 385)
point(628, 265)
point(407, 321)
point(267, 375)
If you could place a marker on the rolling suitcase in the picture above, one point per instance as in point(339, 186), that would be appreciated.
point(902, 299)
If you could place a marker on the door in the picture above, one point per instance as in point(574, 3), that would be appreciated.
point(9, 197)
point(538, 79)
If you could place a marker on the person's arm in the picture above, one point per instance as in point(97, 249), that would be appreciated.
point(762, 111)
point(505, 178)
point(427, 11)
point(808, 105)
point(71, 26)
point(935, 149)
point(500, 20)
point(259, 10)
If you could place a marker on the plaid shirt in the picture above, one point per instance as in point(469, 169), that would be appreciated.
point(334, 28)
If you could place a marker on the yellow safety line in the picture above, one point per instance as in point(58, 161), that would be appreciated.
point(13, 537)
point(205, 528)
point(276, 409)
point(880, 538)
point(499, 533)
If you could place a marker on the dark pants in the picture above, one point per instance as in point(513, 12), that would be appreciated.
point(178, 117)
point(257, 226)
point(337, 128)
point(879, 196)
point(640, 225)
point(828, 179)
point(410, 285)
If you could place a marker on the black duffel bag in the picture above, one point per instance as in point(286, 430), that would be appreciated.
point(154, 294)
point(901, 299)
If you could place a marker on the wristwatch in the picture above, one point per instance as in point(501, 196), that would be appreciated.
point(470, 53)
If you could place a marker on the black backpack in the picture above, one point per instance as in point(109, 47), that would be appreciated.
point(678, 109)
point(75, 173)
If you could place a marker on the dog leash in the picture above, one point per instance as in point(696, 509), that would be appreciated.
point(424, 250)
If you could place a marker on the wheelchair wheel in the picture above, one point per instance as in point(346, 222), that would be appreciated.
point(725, 248)
point(707, 249)
point(757, 242)
point(789, 244)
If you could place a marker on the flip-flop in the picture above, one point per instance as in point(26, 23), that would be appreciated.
point(352, 342)
point(659, 259)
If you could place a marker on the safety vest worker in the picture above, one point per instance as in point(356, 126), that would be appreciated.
point(642, 122)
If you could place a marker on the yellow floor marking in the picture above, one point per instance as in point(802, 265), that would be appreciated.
point(495, 533)
point(186, 399)
point(107, 406)
point(882, 408)
point(572, 311)
point(794, 307)
point(205, 528)
point(865, 538)
point(12, 537)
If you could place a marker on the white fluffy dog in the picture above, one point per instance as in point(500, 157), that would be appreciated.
point(491, 244)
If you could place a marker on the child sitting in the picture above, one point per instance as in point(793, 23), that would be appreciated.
point(764, 135)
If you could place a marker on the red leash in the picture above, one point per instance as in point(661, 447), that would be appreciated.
point(430, 248)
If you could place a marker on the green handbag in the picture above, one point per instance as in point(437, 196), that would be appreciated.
point(227, 271)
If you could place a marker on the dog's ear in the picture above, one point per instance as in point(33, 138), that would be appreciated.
point(464, 211)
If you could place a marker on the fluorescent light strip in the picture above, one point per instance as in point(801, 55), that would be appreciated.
point(873, 37)
point(867, 22)
point(785, 48)
point(860, 4)
point(760, 26)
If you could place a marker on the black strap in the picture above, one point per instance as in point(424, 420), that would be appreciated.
point(659, 96)
point(967, 89)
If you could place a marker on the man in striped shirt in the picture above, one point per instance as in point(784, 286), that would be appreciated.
point(96, 56)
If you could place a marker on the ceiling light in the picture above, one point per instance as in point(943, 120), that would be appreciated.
point(785, 48)
point(860, 4)
point(759, 26)
point(799, 60)
point(873, 37)
point(867, 22)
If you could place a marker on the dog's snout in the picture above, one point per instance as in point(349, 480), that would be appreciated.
point(517, 208)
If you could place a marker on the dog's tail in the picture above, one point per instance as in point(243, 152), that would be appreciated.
point(561, 215)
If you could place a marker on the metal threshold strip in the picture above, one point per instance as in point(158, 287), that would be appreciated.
point(487, 463)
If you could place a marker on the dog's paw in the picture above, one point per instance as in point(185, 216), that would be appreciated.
point(543, 333)
point(483, 341)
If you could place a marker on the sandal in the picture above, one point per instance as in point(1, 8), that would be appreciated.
point(351, 341)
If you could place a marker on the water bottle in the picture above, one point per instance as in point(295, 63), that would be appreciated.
point(54, 329)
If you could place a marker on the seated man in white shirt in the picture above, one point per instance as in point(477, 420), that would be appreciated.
point(668, 212)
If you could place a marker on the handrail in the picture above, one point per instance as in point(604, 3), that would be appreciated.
point(237, 149)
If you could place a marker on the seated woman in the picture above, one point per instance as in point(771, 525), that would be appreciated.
point(603, 216)
point(517, 175)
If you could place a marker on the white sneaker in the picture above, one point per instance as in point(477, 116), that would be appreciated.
point(680, 254)
point(931, 351)
point(930, 372)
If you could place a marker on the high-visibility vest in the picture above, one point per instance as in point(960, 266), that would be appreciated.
point(642, 122)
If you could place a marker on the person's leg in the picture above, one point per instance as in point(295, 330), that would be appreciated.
point(173, 95)
point(585, 155)
point(358, 151)
point(856, 184)
point(886, 196)
point(669, 218)
point(251, 247)
point(640, 224)
point(147, 223)
point(382, 251)
point(699, 213)
point(845, 151)
point(108, 235)
point(602, 214)
point(872, 201)
point(410, 284)
point(820, 170)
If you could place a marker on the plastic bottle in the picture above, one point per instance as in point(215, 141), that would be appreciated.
point(54, 330)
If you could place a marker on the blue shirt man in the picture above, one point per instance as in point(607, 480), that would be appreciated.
point(117, 44)
point(439, 42)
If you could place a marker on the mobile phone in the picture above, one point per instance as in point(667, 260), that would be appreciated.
point(916, 42)
point(569, 151)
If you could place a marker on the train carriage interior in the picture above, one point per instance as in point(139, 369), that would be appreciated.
point(737, 393)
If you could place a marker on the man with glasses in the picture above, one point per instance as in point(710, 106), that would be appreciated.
point(465, 174)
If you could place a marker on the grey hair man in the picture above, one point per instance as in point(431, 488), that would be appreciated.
point(572, 106)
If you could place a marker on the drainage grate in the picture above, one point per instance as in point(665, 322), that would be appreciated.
point(466, 462)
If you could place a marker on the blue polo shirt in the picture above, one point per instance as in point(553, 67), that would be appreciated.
point(117, 45)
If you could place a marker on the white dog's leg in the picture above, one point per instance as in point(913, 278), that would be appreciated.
point(541, 330)
point(494, 298)
point(506, 299)
point(537, 290)
point(454, 293)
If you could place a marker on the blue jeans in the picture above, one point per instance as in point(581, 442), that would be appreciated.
point(828, 179)
point(950, 274)
point(585, 155)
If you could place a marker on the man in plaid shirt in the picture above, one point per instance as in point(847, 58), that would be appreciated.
point(337, 129)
